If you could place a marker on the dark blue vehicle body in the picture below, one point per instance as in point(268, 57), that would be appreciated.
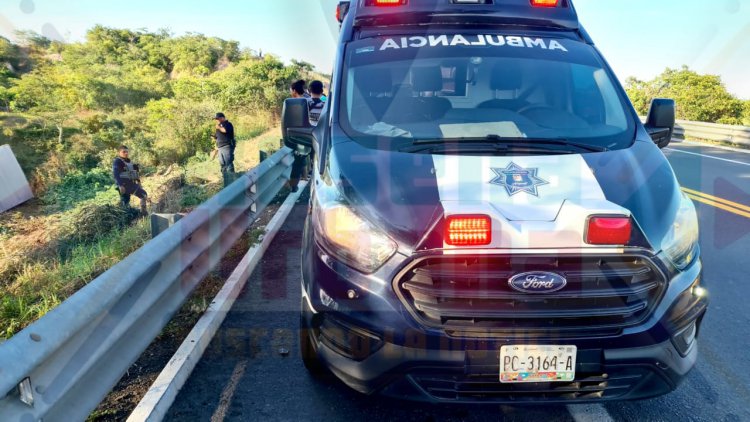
point(390, 331)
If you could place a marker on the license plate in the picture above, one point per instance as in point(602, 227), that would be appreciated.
point(536, 363)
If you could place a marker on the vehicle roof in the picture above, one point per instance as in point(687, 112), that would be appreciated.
point(455, 12)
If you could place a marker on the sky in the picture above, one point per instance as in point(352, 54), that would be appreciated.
point(639, 38)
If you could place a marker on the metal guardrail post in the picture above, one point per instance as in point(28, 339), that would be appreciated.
point(69, 360)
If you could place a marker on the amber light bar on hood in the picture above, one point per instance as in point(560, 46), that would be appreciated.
point(468, 230)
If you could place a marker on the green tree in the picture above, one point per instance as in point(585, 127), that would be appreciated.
point(198, 55)
point(699, 97)
point(181, 128)
point(6, 97)
point(254, 84)
point(49, 94)
point(9, 55)
point(640, 93)
point(31, 39)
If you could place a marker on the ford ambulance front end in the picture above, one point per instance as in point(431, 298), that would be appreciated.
point(490, 221)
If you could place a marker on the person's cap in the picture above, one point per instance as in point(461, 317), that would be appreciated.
point(220, 116)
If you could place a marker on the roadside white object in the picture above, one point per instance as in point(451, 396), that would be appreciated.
point(14, 188)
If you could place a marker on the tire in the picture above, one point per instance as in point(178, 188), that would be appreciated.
point(307, 350)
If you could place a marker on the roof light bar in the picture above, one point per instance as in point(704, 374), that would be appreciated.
point(545, 3)
point(386, 3)
point(468, 230)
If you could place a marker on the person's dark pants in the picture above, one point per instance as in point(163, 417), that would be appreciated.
point(298, 167)
point(226, 160)
point(138, 191)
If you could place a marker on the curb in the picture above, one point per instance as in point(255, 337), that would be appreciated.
point(162, 393)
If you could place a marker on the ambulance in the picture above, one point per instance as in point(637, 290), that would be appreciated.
point(490, 221)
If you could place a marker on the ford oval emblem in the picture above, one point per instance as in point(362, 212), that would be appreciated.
point(537, 282)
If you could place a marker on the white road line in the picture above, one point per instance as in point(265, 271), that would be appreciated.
point(589, 413)
point(226, 396)
point(162, 393)
point(708, 156)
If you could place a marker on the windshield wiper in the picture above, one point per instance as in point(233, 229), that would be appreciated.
point(507, 142)
point(555, 141)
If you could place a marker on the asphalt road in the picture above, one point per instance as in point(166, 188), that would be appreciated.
point(244, 376)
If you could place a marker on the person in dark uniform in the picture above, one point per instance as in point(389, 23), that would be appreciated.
point(225, 144)
point(127, 177)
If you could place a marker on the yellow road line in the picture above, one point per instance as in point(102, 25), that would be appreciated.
point(716, 199)
point(719, 205)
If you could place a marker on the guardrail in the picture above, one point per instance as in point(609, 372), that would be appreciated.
point(732, 134)
point(64, 364)
point(739, 135)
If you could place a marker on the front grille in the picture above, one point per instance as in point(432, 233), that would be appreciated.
point(465, 293)
point(587, 386)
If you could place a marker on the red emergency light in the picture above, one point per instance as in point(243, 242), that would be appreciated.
point(468, 230)
point(341, 10)
point(609, 230)
point(386, 3)
point(545, 3)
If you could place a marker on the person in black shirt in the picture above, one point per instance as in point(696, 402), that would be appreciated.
point(126, 174)
point(316, 102)
point(225, 144)
point(298, 89)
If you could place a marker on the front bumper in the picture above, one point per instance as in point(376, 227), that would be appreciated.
point(374, 345)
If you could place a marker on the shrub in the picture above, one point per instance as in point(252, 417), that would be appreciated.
point(78, 186)
point(91, 222)
point(251, 125)
point(181, 128)
point(702, 98)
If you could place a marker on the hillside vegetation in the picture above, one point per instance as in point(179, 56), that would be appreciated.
point(64, 109)
point(701, 98)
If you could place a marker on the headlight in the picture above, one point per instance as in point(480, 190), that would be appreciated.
point(350, 238)
point(681, 243)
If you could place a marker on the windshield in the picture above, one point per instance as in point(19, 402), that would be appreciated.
point(446, 87)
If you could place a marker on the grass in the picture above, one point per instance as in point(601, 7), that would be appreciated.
point(246, 156)
point(40, 267)
point(41, 286)
point(77, 187)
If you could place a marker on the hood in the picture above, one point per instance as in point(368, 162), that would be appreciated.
point(395, 191)
point(641, 180)
point(535, 201)
point(518, 188)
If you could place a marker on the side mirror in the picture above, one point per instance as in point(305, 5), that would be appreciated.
point(661, 121)
point(295, 123)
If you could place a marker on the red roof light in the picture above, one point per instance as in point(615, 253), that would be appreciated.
point(468, 230)
point(387, 2)
point(341, 10)
point(544, 3)
point(609, 231)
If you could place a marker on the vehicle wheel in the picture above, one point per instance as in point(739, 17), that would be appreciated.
point(307, 349)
